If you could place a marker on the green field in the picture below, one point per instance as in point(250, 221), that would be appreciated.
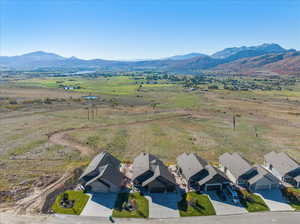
point(118, 85)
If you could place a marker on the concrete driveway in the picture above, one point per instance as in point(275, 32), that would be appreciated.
point(274, 200)
point(226, 207)
point(100, 205)
point(163, 205)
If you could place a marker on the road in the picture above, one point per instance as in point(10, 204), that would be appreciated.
point(250, 218)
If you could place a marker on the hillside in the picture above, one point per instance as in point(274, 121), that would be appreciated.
point(260, 49)
point(282, 63)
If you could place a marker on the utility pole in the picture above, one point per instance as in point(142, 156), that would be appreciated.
point(233, 121)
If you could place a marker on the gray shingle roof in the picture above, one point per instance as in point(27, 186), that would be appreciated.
point(100, 165)
point(108, 174)
point(212, 173)
point(190, 164)
point(144, 162)
point(235, 163)
point(281, 162)
point(263, 173)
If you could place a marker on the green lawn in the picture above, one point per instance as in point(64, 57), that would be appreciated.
point(253, 202)
point(142, 203)
point(80, 202)
point(116, 85)
point(202, 206)
point(293, 201)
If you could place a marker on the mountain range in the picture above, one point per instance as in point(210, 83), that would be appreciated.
point(266, 57)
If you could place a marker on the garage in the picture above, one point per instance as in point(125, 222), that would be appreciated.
point(212, 187)
point(261, 187)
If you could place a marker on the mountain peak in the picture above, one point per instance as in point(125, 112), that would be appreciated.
point(264, 48)
point(42, 55)
point(186, 56)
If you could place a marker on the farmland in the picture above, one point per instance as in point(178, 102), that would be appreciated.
point(133, 114)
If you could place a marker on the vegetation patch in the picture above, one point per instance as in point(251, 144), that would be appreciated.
point(131, 205)
point(293, 196)
point(77, 198)
point(193, 204)
point(252, 202)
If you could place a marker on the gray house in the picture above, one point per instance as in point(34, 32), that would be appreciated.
point(151, 174)
point(262, 180)
point(242, 173)
point(283, 167)
point(199, 174)
point(102, 174)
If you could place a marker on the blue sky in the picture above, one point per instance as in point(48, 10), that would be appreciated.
point(132, 29)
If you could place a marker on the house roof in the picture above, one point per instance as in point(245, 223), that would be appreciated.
point(235, 163)
point(190, 164)
point(108, 174)
point(212, 173)
point(281, 162)
point(97, 166)
point(262, 173)
point(145, 162)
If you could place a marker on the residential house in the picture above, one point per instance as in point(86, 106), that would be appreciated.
point(199, 174)
point(102, 174)
point(242, 173)
point(151, 174)
point(283, 167)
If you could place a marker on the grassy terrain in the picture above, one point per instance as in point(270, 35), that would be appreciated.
point(142, 204)
point(80, 200)
point(126, 123)
point(118, 85)
point(253, 202)
point(203, 206)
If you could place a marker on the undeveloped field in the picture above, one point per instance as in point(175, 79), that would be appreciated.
point(128, 123)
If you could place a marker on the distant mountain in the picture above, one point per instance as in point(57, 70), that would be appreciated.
point(41, 56)
point(281, 63)
point(255, 50)
point(31, 59)
point(186, 56)
point(271, 57)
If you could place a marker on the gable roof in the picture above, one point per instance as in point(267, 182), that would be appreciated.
point(281, 162)
point(212, 173)
point(235, 163)
point(263, 174)
point(108, 174)
point(97, 166)
point(190, 164)
point(148, 162)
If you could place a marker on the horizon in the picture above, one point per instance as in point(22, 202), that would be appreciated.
point(133, 30)
point(140, 59)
